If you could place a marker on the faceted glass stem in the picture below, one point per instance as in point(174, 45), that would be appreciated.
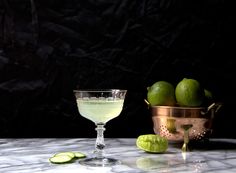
point(99, 158)
point(100, 145)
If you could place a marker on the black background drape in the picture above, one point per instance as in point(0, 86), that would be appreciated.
point(50, 47)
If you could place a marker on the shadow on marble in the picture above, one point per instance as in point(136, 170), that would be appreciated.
point(212, 145)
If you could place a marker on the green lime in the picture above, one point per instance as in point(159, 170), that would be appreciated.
point(152, 143)
point(189, 92)
point(161, 93)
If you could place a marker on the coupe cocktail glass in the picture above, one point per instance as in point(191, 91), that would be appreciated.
point(100, 106)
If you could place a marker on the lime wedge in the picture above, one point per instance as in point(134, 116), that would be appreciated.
point(152, 143)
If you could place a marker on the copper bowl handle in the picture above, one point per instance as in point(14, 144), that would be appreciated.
point(214, 106)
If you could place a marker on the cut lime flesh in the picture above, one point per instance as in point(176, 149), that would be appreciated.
point(152, 143)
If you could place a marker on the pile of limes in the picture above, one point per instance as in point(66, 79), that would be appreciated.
point(188, 92)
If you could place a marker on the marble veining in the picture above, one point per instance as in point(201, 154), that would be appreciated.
point(31, 156)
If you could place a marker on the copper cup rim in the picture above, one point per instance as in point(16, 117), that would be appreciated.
point(179, 107)
point(180, 112)
point(195, 112)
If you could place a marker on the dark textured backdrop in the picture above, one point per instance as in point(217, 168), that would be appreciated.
point(50, 47)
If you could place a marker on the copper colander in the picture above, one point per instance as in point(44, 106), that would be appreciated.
point(172, 122)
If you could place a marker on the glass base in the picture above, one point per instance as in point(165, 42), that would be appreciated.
point(99, 162)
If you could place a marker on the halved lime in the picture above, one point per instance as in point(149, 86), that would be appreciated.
point(152, 143)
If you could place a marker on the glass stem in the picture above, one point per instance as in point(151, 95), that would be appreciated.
point(100, 145)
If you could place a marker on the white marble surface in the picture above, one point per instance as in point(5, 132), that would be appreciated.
point(31, 156)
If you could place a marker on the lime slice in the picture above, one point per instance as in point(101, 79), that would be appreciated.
point(65, 157)
point(70, 154)
point(60, 159)
point(79, 155)
point(152, 143)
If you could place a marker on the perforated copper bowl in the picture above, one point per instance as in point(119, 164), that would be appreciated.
point(168, 121)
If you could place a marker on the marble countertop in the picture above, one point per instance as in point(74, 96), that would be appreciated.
point(32, 154)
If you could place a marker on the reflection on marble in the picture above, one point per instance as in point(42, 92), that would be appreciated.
point(31, 156)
